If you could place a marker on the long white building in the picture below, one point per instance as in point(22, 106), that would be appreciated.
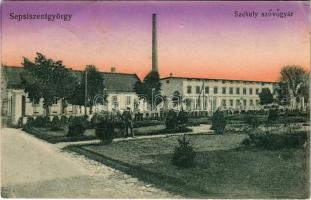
point(205, 94)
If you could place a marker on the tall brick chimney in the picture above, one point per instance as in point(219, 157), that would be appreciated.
point(154, 44)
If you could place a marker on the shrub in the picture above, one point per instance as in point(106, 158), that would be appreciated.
point(94, 120)
point(171, 121)
point(246, 142)
point(70, 119)
point(105, 131)
point(41, 121)
point(63, 119)
point(184, 154)
point(76, 126)
point(56, 124)
point(145, 123)
point(279, 141)
point(252, 120)
point(182, 118)
point(219, 122)
point(273, 115)
point(29, 122)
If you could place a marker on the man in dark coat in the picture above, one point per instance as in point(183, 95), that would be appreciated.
point(128, 122)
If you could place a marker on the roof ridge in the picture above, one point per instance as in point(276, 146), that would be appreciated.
point(75, 70)
point(218, 79)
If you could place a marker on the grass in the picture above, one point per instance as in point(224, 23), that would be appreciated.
point(222, 173)
point(60, 136)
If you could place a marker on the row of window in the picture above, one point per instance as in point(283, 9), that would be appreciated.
point(232, 81)
point(238, 102)
point(115, 100)
point(199, 90)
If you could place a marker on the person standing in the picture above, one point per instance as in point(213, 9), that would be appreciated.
point(128, 122)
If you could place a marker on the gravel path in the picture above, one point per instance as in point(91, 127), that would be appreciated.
point(32, 168)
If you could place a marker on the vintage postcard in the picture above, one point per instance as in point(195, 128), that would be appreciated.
point(155, 99)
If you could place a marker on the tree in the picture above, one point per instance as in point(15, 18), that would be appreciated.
point(47, 79)
point(150, 88)
point(283, 97)
point(266, 97)
point(295, 80)
point(95, 86)
point(77, 97)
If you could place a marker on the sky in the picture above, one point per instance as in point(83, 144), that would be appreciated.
point(195, 39)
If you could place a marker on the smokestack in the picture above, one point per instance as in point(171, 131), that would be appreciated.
point(113, 70)
point(171, 74)
point(154, 44)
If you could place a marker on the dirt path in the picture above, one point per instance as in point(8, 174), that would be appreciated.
point(32, 168)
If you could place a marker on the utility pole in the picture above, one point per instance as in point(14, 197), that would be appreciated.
point(85, 97)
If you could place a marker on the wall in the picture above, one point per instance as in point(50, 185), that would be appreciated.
point(170, 85)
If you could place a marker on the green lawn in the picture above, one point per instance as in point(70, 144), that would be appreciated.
point(220, 171)
point(59, 136)
point(89, 134)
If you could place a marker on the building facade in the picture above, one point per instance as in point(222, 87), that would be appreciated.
point(210, 94)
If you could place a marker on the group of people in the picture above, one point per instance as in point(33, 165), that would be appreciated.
point(127, 120)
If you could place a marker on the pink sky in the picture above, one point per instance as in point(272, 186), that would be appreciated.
point(195, 39)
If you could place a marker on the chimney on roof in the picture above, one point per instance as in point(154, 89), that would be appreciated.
point(113, 69)
point(171, 74)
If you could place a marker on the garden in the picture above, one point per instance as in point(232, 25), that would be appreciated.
point(259, 163)
point(265, 157)
point(55, 129)
point(221, 168)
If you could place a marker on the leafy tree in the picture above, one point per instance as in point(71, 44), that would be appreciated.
point(265, 96)
point(47, 79)
point(150, 87)
point(95, 84)
point(77, 97)
point(305, 87)
point(296, 80)
point(283, 97)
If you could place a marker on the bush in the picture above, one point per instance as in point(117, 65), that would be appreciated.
point(56, 124)
point(41, 121)
point(184, 154)
point(105, 131)
point(63, 119)
point(76, 126)
point(219, 122)
point(246, 142)
point(182, 118)
point(279, 141)
point(273, 115)
point(145, 123)
point(252, 120)
point(29, 122)
point(94, 120)
point(171, 121)
point(70, 119)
